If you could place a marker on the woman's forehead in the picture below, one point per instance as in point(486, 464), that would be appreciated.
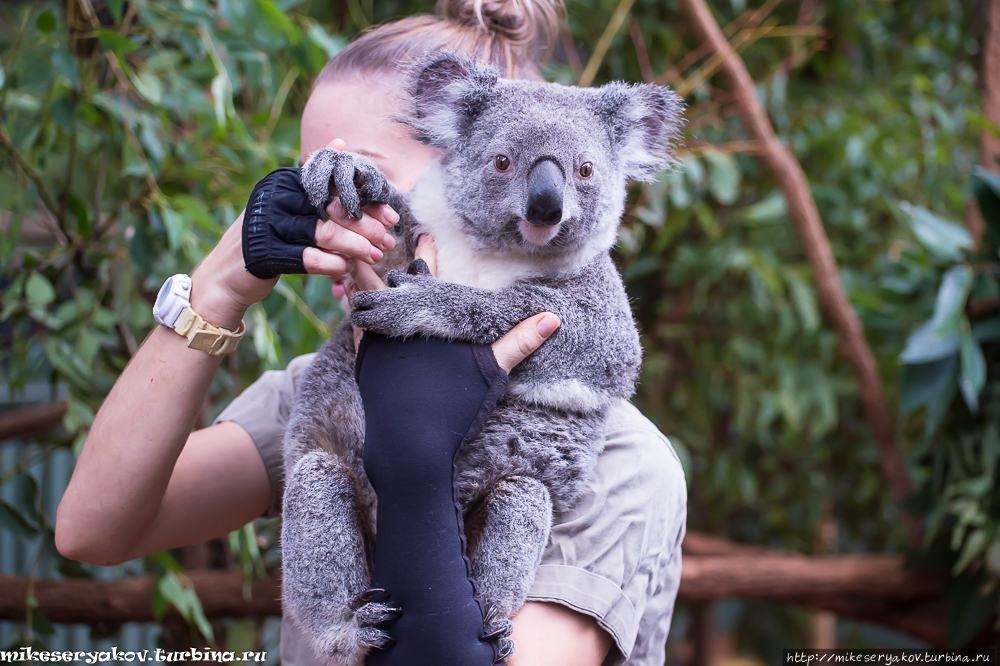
point(358, 111)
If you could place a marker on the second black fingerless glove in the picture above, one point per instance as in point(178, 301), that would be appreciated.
point(278, 225)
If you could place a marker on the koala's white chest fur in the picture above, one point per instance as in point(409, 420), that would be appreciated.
point(457, 260)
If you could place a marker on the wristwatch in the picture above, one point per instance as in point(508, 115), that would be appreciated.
point(173, 310)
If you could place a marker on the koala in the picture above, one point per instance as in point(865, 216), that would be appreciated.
point(524, 205)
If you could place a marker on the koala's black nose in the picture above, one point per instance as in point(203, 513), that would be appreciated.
point(545, 193)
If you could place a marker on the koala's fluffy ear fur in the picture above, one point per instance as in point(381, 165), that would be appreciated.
point(449, 92)
point(645, 122)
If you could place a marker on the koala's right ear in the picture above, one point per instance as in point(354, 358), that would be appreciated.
point(449, 93)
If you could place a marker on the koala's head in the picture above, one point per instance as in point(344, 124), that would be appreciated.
point(539, 168)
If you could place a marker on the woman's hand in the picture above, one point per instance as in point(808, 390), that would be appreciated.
point(223, 289)
point(515, 346)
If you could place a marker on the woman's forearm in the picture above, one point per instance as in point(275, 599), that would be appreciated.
point(122, 474)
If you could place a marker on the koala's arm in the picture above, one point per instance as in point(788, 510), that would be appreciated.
point(422, 304)
point(596, 345)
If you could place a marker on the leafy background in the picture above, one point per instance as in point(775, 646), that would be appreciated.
point(132, 134)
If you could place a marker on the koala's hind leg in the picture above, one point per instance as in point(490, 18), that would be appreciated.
point(326, 580)
point(507, 535)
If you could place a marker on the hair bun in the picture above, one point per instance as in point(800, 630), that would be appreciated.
point(525, 25)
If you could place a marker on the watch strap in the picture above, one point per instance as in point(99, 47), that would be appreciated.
point(204, 336)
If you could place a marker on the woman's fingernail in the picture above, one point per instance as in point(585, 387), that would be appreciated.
point(391, 216)
point(547, 325)
point(424, 238)
point(389, 242)
point(376, 254)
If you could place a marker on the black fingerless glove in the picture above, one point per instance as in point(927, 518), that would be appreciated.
point(278, 225)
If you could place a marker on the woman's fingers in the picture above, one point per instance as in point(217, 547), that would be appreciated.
point(332, 237)
point(365, 279)
point(373, 229)
point(522, 340)
point(427, 250)
point(318, 262)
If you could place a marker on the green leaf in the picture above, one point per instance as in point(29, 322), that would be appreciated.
point(987, 330)
point(72, 569)
point(65, 64)
point(110, 39)
point(973, 376)
point(986, 187)
point(968, 608)
point(29, 497)
point(39, 291)
point(769, 209)
point(330, 45)
point(942, 238)
point(14, 522)
point(178, 226)
point(185, 599)
point(922, 382)
point(46, 21)
point(939, 337)
point(116, 7)
point(79, 210)
point(724, 179)
point(40, 624)
point(149, 86)
point(805, 301)
point(241, 636)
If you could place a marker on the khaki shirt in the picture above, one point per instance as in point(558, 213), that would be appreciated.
point(616, 556)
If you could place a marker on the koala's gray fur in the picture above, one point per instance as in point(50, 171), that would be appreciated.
point(536, 452)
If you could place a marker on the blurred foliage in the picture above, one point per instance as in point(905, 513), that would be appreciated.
point(133, 135)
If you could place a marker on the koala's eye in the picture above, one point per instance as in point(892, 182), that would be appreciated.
point(586, 170)
point(501, 162)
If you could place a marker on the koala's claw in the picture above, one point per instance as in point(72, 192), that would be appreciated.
point(418, 267)
point(506, 649)
point(491, 613)
point(355, 178)
point(370, 637)
point(370, 594)
point(373, 614)
point(502, 629)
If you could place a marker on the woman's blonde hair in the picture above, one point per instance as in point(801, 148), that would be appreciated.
point(515, 36)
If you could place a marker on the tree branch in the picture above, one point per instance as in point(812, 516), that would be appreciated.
point(867, 587)
point(29, 420)
point(809, 226)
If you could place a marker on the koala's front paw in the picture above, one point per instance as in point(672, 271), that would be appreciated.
point(370, 614)
point(349, 638)
point(498, 629)
point(394, 311)
point(355, 178)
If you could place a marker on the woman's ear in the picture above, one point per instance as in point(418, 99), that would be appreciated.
point(449, 92)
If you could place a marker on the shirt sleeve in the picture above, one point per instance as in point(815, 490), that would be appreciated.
point(263, 410)
point(616, 555)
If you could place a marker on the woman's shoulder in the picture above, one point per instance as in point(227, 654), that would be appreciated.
point(629, 434)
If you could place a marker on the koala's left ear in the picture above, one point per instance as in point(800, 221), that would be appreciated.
point(645, 122)
point(449, 93)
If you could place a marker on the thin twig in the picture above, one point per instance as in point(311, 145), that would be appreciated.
point(572, 55)
point(124, 82)
point(641, 54)
point(36, 177)
point(604, 43)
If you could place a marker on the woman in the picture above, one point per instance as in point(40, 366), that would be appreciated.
point(144, 482)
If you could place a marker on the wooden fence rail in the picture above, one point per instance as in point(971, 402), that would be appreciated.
point(864, 587)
